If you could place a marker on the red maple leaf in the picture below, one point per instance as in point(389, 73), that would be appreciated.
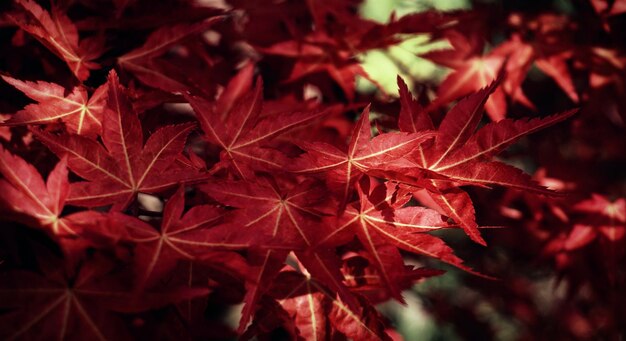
point(270, 209)
point(81, 114)
point(473, 70)
point(59, 34)
point(600, 218)
point(471, 73)
point(27, 198)
point(317, 312)
point(608, 8)
point(180, 237)
point(240, 129)
point(383, 226)
point(142, 60)
point(277, 217)
point(124, 166)
point(341, 168)
point(60, 304)
point(460, 155)
point(25, 193)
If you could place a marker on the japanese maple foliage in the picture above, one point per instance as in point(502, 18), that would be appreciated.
point(162, 163)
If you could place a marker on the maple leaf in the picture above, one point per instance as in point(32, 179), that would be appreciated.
point(473, 70)
point(462, 155)
point(270, 316)
point(141, 61)
point(81, 115)
point(601, 218)
point(591, 228)
point(279, 216)
point(161, 40)
point(314, 60)
point(124, 166)
point(471, 73)
point(241, 131)
point(342, 168)
point(59, 34)
point(275, 209)
point(24, 193)
point(383, 226)
point(28, 199)
point(314, 309)
point(59, 305)
point(551, 60)
point(180, 237)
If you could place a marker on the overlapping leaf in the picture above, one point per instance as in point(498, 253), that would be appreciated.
point(24, 192)
point(123, 166)
point(285, 213)
point(59, 34)
point(180, 237)
point(315, 310)
point(383, 226)
point(464, 156)
point(601, 218)
point(81, 115)
point(55, 305)
point(141, 61)
point(473, 71)
point(342, 168)
point(242, 132)
point(27, 198)
point(278, 218)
